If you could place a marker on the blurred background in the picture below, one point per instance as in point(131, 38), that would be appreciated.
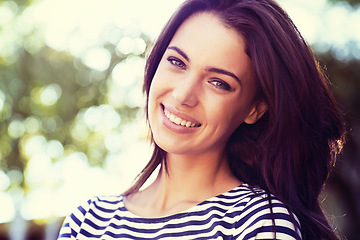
point(71, 106)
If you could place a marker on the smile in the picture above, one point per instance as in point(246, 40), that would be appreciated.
point(179, 121)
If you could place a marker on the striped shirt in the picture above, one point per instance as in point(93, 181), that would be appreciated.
point(241, 213)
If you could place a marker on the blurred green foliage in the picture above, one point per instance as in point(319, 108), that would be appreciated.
point(54, 106)
point(23, 83)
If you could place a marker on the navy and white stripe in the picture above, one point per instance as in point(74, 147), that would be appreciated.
point(241, 213)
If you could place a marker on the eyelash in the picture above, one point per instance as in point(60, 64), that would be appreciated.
point(217, 83)
point(220, 84)
point(177, 62)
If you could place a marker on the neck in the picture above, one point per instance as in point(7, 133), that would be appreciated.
point(187, 181)
point(205, 171)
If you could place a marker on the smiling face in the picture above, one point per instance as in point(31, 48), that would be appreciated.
point(203, 88)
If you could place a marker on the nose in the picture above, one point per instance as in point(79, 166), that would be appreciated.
point(186, 92)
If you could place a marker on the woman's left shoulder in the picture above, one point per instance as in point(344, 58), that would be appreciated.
point(257, 198)
point(260, 214)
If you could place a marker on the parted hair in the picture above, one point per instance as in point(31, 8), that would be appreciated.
point(290, 151)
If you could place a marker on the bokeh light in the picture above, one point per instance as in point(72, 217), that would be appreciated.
point(50, 94)
point(97, 58)
point(7, 208)
point(16, 128)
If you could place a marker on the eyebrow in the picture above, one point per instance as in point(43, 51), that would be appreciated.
point(208, 69)
point(179, 51)
point(222, 71)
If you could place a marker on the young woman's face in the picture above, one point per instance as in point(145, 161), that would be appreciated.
point(203, 88)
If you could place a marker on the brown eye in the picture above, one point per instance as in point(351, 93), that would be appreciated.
point(220, 84)
point(176, 62)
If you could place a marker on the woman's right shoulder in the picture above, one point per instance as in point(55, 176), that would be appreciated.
point(100, 205)
point(95, 209)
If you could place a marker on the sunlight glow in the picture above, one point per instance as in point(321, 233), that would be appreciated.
point(33, 145)
point(100, 118)
point(97, 58)
point(4, 181)
point(78, 32)
point(7, 208)
point(327, 25)
point(50, 94)
point(54, 149)
point(68, 25)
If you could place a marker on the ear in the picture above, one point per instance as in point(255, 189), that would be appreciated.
point(256, 113)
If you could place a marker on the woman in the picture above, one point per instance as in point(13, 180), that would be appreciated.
point(244, 128)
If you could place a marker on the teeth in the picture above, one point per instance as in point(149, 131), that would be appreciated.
point(178, 120)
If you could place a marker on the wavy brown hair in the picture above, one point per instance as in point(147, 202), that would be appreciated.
point(291, 149)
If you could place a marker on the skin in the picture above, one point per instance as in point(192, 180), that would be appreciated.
point(206, 79)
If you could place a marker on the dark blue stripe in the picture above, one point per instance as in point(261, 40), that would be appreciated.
point(98, 217)
point(75, 219)
point(66, 224)
point(127, 236)
point(251, 213)
point(65, 235)
point(105, 209)
point(269, 229)
point(110, 202)
point(82, 210)
point(225, 204)
point(179, 231)
point(74, 233)
point(165, 219)
point(172, 234)
point(169, 226)
point(87, 234)
point(93, 225)
point(185, 224)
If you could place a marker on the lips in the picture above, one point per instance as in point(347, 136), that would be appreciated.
point(179, 120)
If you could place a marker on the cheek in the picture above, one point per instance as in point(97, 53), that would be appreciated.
point(154, 88)
point(157, 90)
point(229, 116)
point(152, 103)
point(159, 81)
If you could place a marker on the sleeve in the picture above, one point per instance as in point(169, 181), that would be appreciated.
point(259, 222)
point(72, 223)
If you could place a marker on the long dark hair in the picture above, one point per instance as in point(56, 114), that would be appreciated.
point(291, 149)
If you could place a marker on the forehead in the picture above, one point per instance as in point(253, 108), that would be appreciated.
point(208, 42)
point(210, 25)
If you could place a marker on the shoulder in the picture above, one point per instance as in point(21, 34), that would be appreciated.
point(261, 214)
point(96, 209)
point(101, 208)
